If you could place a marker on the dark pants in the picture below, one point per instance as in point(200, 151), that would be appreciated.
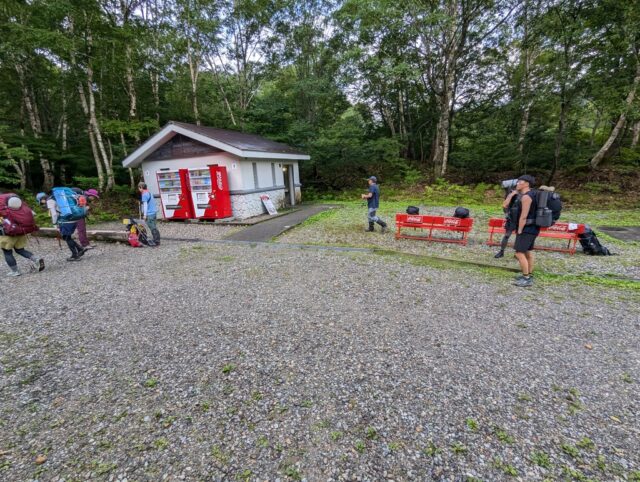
point(11, 261)
point(66, 231)
point(82, 233)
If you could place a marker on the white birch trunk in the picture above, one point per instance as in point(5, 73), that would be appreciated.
point(597, 159)
point(636, 134)
point(193, 71)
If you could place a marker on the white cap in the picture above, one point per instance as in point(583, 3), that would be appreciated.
point(14, 202)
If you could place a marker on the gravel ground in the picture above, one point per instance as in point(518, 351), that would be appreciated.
point(232, 362)
point(346, 227)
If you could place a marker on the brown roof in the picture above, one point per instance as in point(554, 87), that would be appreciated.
point(240, 140)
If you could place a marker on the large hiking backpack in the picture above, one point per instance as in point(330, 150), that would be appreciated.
point(71, 205)
point(590, 243)
point(16, 222)
point(549, 207)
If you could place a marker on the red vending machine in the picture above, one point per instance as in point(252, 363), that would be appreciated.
point(175, 194)
point(210, 192)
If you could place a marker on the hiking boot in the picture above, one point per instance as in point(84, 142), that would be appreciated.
point(81, 252)
point(88, 247)
point(13, 274)
point(383, 226)
point(38, 263)
point(499, 254)
point(371, 228)
point(75, 257)
point(524, 282)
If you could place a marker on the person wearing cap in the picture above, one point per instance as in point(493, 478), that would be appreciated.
point(91, 195)
point(373, 203)
point(149, 211)
point(66, 228)
point(526, 229)
point(9, 244)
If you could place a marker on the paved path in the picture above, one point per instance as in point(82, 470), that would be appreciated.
point(627, 233)
point(267, 230)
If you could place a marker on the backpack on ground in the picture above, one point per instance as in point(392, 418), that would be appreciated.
point(590, 243)
point(462, 213)
point(71, 205)
point(549, 207)
point(16, 222)
point(413, 210)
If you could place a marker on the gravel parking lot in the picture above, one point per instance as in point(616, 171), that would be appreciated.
point(202, 361)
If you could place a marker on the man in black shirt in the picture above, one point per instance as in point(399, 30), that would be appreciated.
point(527, 231)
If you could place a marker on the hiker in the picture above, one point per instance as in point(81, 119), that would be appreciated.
point(91, 195)
point(66, 228)
point(16, 221)
point(373, 202)
point(509, 223)
point(149, 212)
point(526, 229)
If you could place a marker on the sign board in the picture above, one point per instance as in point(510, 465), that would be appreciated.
point(266, 200)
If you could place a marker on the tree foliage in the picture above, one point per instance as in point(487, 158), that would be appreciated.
point(401, 89)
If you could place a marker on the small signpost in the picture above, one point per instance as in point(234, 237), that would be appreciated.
point(266, 200)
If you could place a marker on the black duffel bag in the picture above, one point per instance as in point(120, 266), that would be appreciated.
point(413, 210)
point(461, 213)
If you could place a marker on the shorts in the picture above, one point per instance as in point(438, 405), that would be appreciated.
point(524, 242)
point(13, 242)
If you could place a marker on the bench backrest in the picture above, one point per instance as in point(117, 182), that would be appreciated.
point(556, 228)
point(436, 221)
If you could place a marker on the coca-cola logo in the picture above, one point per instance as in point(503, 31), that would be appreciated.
point(562, 228)
point(451, 221)
point(414, 219)
point(219, 179)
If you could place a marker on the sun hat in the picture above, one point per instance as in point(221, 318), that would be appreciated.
point(373, 178)
point(92, 193)
point(40, 196)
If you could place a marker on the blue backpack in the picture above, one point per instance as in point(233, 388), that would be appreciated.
point(70, 204)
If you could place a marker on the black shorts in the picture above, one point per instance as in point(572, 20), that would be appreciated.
point(524, 242)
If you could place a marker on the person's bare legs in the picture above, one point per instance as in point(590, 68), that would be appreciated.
point(523, 259)
point(530, 260)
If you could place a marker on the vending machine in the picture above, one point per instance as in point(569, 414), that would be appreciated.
point(210, 192)
point(175, 194)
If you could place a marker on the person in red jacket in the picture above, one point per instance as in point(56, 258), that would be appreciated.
point(17, 243)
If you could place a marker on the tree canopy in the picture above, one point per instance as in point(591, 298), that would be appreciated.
point(405, 89)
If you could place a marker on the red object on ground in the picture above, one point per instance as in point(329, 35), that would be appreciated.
point(431, 224)
point(557, 231)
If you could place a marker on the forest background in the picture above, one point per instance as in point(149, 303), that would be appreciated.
point(414, 91)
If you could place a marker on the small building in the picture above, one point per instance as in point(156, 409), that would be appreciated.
point(255, 166)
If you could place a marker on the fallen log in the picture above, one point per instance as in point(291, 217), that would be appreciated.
point(94, 234)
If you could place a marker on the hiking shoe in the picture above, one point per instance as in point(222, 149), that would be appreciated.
point(521, 276)
point(524, 282)
point(499, 254)
point(13, 274)
point(88, 247)
point(75, 257)
point(81, 252)
point(38, 264)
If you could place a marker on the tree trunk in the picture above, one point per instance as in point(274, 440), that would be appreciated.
point(93, 119)
point(562, 124)
point(94, 149)
point(596, 125)
point(131, 87)
point(193, 71)
point(440, 154)
point(595, 161)
point(636, 134)
point(34, 121)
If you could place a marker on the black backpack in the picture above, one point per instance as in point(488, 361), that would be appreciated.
point(413, 210)
point(461, 213)
point(591, 245)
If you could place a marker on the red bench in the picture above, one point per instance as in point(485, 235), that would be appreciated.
point(431, 224)
point(557, 231)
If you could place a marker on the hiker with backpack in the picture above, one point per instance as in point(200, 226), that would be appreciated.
point(65, 211)
point(373, 203)
point(16, 222)
point(149, 212)
point(525, 211)
point(507, 207)
point(90, 195)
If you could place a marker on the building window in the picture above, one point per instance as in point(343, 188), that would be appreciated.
point(273, 173)
point(255, 175)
